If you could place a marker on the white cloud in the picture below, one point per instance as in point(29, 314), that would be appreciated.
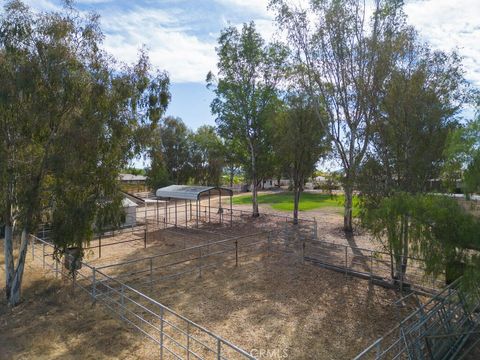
point(258, 7)
point(171, 48)
point(450, 25)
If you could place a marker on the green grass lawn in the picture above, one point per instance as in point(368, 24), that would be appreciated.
point(284, 201)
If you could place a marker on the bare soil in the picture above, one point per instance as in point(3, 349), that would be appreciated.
point(274, 307)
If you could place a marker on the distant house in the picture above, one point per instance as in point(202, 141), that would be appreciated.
point(133, 183)
point(132, 179)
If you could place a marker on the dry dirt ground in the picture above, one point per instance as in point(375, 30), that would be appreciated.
point(53, 323)
point(264, 304)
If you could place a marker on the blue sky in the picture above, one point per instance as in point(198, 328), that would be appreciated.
point(181, 37)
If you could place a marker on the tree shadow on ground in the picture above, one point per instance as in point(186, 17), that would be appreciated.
point(54, 323)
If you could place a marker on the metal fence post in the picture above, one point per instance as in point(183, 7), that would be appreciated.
point(122, 301)
point(219, 349)
point(94, 283)
point(151, 271)
point(43, 253)
point(188, 340)
point(161, 333)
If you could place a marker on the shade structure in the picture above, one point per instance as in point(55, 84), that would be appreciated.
point(187, 192)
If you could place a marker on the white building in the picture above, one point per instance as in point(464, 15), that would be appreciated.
point(130, 209)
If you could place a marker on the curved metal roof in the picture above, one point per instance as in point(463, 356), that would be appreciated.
point(188, 192)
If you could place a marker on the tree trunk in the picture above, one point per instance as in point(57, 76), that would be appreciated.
point(255, 212)
point(296, 201)
point(9, 264)
point(347, 216)
point(14, 294)
point(405, 245)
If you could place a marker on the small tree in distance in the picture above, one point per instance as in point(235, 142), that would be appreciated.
point(299, 141)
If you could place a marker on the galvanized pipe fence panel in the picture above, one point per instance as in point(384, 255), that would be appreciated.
point(438, 329)
point(176, 336)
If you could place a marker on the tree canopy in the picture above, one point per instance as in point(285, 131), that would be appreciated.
point(71, 118)
point(246, 92)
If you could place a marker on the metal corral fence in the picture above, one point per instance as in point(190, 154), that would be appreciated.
point(370, 264)
point(176, 336)
point(439, 329)
point(196, 259)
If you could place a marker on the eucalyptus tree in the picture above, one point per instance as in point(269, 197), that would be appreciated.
point(206, 156)
point(249, 71)
point(344, 60)
point(70, 119)
point(175, 146)
point(299, 141)
point(463, 156)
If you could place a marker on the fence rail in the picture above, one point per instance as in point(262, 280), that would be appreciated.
point(371, 264)
point(438, 329)
point(115, 286)
point(176, 336)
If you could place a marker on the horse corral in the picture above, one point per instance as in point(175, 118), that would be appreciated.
point(207, 283)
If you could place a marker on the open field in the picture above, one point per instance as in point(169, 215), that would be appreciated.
point(283, 201)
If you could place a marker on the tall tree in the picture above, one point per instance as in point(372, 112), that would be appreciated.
point(299, 141)
point(175, 148)
point(422, 99)
point(344, 61)
point(207, 156)
point(67, 120)
point(246, 90)
point(463, 157)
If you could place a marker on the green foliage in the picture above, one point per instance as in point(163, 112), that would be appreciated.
point(419, 108)
point(342, 61)
point(246, 94)
point(434, 228)
point(172, 143)
point(463, 157)
point(134, 171)
point(207, 156)
point(71, 119)
point(299, 140)
point(181, 156)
